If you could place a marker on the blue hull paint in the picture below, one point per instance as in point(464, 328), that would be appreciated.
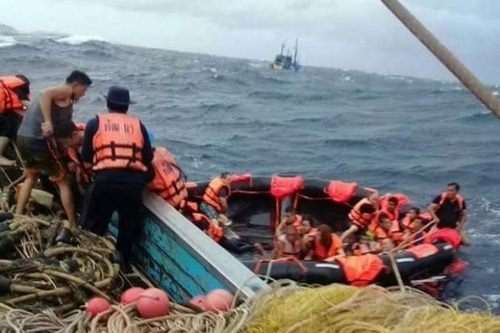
point(181, 259)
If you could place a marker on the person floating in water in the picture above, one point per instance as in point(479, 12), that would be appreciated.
point(36, 144)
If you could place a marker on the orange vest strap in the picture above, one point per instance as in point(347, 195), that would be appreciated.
point(459, 198)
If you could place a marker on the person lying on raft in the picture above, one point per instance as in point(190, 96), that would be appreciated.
point(291, 218)
point(216, 232)
point(327, 246)
point(290, 244)
point(360, 223)
point(214, 203)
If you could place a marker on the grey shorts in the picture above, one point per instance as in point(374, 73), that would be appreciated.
point(209, 211)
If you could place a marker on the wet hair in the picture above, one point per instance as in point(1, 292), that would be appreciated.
point(366, 208)
point(79, 77)
point(23, 91)
point(225, 174)
point(64, 129)
point(416, 210)
point(393, 200)
point(325, 236)
point(382, 216)
point(290, 209)
point(455, 185)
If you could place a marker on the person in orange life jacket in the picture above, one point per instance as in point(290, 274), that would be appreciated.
point(327, 245)
point(14, 100)
point(393, 214)
point(412, 214)
point(383, 230)
point(169, 179)
point(291, 218)
point(290, 244)
point(214, 203)
point(35, 136)
point(359, 226)
point(236, 246)
point(417, 238)
point(118, 148)
point(449, 208)
point(71, 136)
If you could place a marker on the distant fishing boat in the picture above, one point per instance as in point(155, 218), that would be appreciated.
point(286, 62)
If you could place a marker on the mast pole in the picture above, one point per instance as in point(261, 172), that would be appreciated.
point(444, 55)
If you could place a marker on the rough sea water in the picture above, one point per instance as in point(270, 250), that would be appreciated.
point(394, 133)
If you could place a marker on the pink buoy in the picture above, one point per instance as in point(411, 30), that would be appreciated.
point(97, 305)
point(131, 295)
point(219, 300)
point(153, 302)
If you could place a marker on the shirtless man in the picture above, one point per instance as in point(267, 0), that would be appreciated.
point(37, 145)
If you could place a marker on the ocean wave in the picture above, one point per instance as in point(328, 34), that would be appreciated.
point(6, 41)
point(79, 39)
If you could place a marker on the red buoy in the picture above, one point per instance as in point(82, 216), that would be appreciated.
point(97, 305)
point(200, 302)
point(152, 303)
point(219, 300)
point(131, 295)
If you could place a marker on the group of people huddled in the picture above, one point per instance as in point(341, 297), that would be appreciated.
point(109, 161)
point(376, 226)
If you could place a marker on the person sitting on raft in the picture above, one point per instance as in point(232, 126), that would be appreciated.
point(412, 214)
point(327, 246)
point(214, 203)
point(291, 218)
point(382, 231)
point(235, 245)
point(360, 223)
point(414, 233)
point(290, 244)
point(307, 232)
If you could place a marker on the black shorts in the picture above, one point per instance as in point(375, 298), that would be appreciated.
point(9, 124)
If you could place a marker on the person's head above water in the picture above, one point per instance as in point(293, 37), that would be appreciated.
point(79, 82)
point(452, 190)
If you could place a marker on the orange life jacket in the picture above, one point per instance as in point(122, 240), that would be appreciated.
point(211, 195)
point(118, 143)
point(423, 250)
point(75, 157)
point(320, 253)
point(356, 217)
point(214, 232)
point(169, 180)
point(458, 198)
point(9, 101)
point(381, 234)
point(361, 270)
point(407, 222)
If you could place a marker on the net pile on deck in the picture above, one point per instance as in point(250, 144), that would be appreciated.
point(37, 274)
point(286, 307)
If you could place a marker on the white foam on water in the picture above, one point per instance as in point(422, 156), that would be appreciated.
point(6, 41)
point(79, 39)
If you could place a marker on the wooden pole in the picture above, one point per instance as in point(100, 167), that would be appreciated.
point(444, 55)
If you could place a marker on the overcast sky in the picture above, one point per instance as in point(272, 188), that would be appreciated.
point(349, 34)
